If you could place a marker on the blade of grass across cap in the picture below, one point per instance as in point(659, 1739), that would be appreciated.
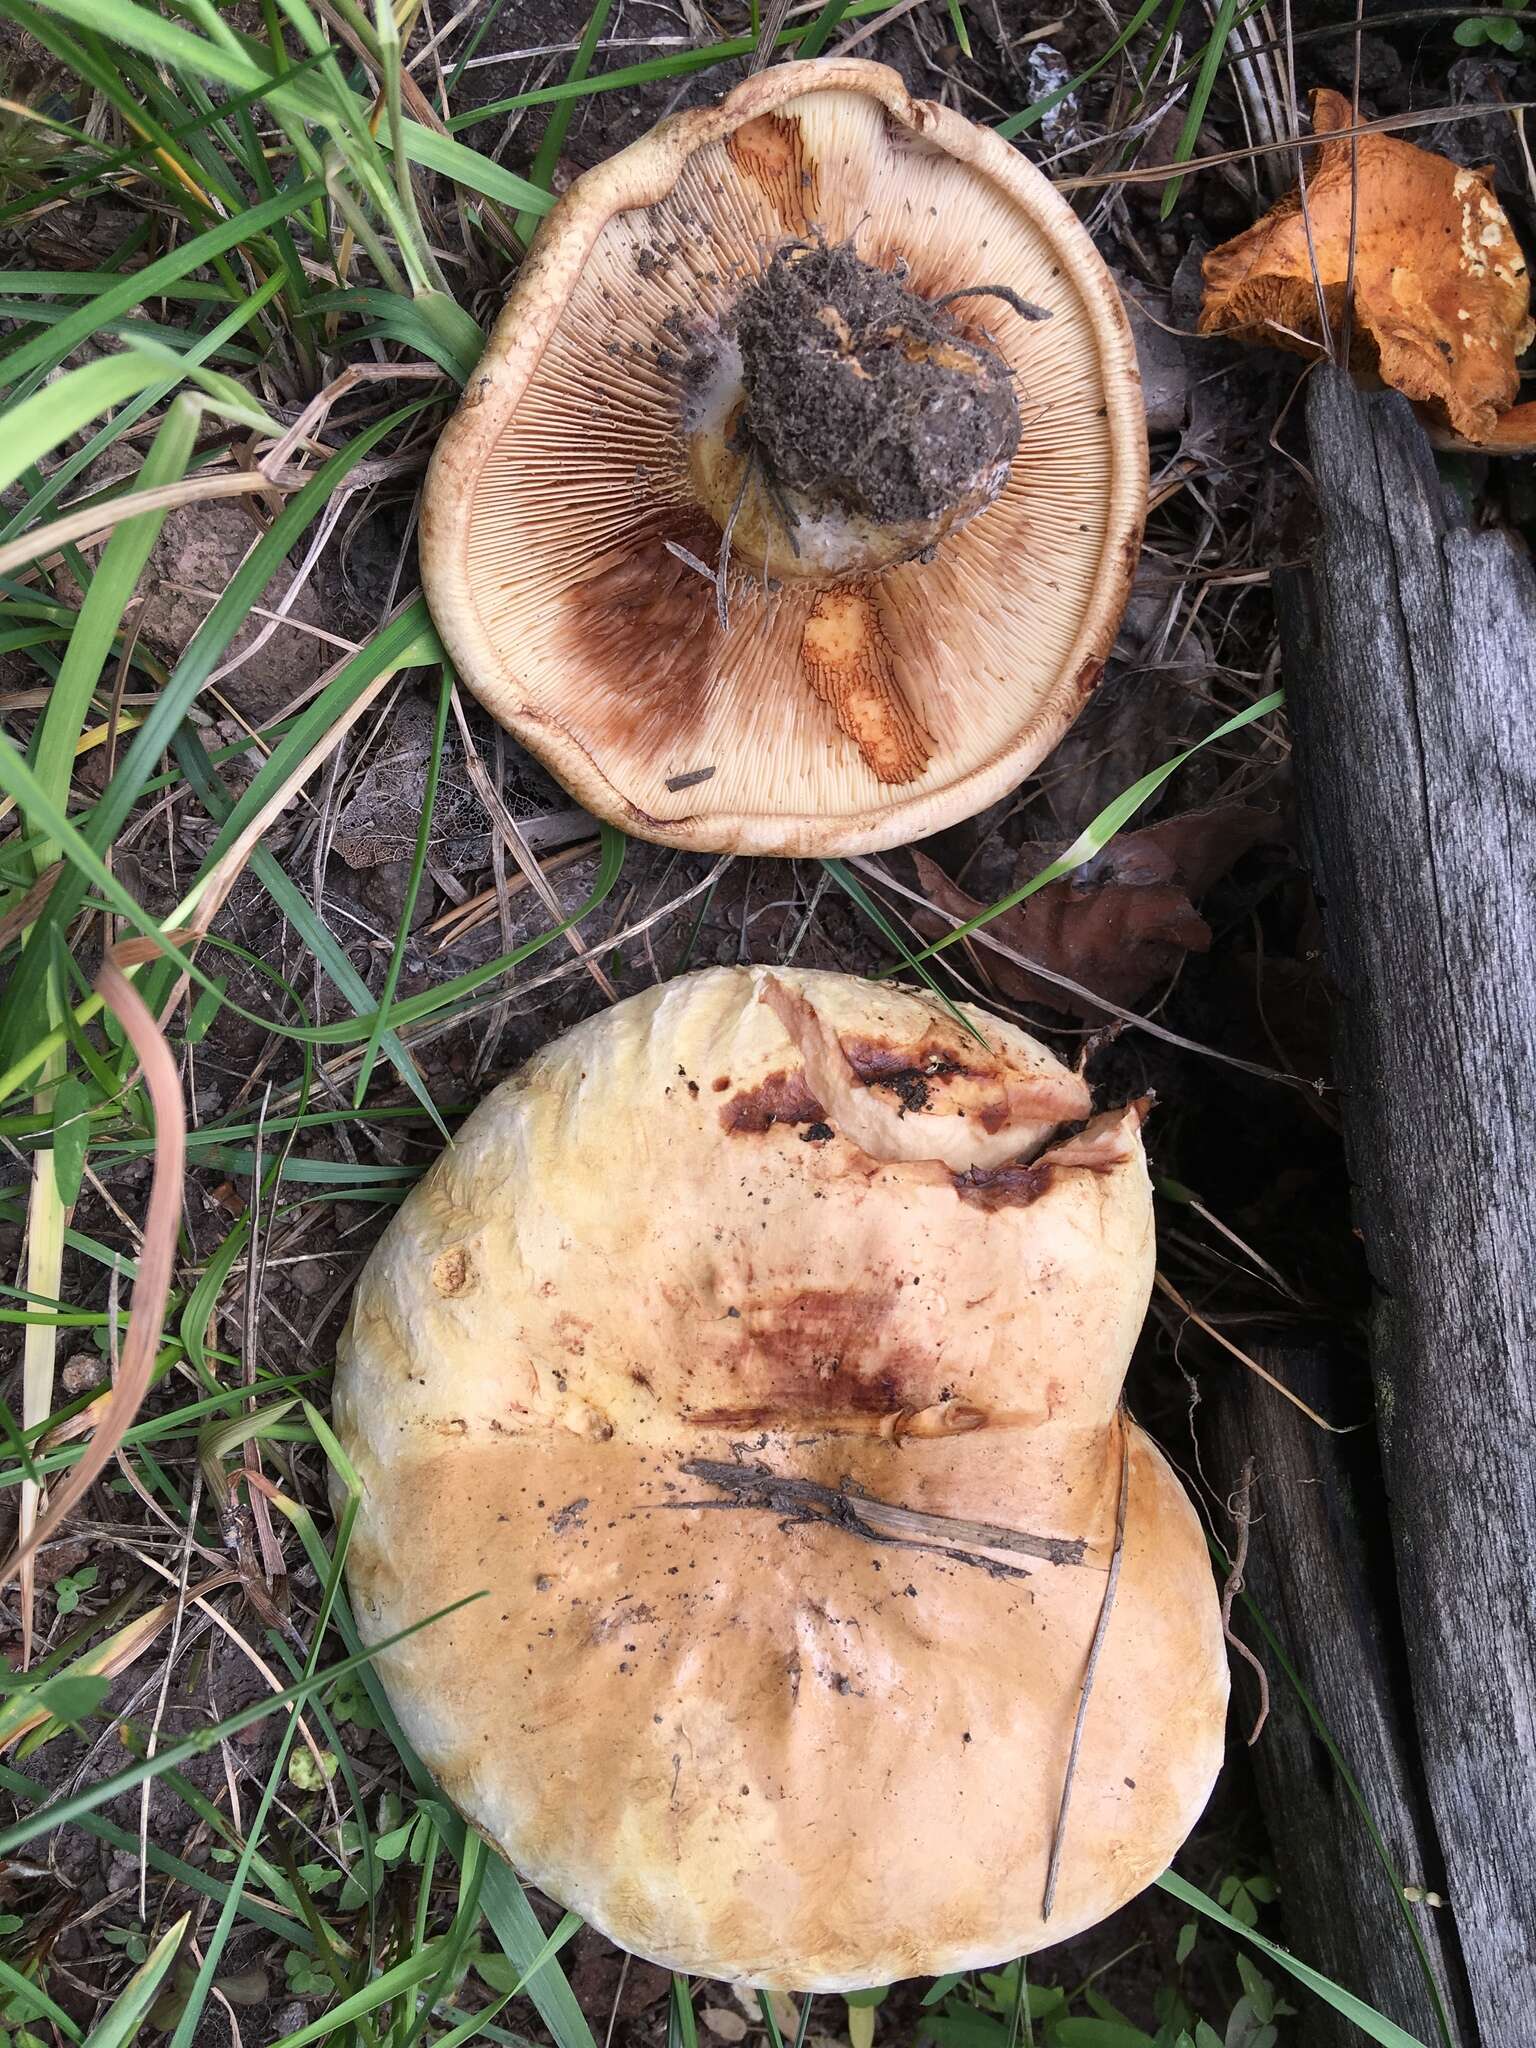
point(1199, 99)
point(131, 2006)
point(1374, 2025)
point(542, 170)
point(1096, 835)
point(848, 881)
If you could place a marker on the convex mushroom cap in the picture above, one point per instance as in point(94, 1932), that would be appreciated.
point(759, 536)
point(756, 1352)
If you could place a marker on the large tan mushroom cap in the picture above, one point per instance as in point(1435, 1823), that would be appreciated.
point(788, 1224)
point(816, 720)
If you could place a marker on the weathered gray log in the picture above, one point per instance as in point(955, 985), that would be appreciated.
point(1411, 666)
point(1319, 1569)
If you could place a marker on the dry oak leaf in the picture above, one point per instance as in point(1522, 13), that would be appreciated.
point(1442, 302)
point(1123, 921)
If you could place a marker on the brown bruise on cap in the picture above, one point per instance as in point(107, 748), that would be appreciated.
point(850, 666)
point(555, 494)
point(770, 154)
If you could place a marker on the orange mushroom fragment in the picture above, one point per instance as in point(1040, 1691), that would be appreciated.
point(794, 504)
point(1442, 301)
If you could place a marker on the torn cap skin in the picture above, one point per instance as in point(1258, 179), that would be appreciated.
point(756, 1353)
point(744, 322)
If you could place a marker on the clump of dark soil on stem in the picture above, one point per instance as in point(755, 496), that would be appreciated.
point(862, 394)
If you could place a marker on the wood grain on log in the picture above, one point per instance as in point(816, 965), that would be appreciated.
point(1319, 1570)
point(1411, 665)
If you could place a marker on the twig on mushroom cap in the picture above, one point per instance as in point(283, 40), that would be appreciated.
point(878, 1521)
point(1101, 1629)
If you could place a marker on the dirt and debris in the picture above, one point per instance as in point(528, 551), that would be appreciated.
point(862, 395)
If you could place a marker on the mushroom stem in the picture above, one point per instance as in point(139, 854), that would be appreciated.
point(874, 423)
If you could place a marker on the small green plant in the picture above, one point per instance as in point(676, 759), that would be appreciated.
point(1243, 1896)
point(129, 1940)
point(1002, 2009)
point(304, 1975)
point(67, 1591)
point(1494, 28)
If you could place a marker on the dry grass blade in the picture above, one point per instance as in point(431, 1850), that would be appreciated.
point(1095, 1649)
point(1167, 1287)
point(94, 522)
point(153, 1286)
point(119, 1652)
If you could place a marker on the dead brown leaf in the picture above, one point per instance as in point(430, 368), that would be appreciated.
point(1123, 922)
point(1442, 302)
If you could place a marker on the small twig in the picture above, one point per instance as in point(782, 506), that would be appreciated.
point(1006, 293)
point(1101, 1629)
point(1240, 1508)
point(878, 1521)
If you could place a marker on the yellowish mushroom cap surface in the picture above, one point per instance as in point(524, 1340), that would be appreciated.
point(756, 1351)
point(823, 694)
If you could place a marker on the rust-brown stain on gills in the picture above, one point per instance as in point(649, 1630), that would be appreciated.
point(847, 661)
point(770, 153)
point(644, 636)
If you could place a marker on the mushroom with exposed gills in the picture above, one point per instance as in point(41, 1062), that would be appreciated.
point(794, 503)
point(756, 1353)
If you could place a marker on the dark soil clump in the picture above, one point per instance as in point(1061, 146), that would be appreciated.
point(860, 394)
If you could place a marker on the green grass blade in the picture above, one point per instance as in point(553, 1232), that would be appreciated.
point(412, 886)
point(44, 351)
point(130, 2008)
point(814, 40)
point(39, 501)
point(1199, 100)
point(52, 415)
point(848, 881)
point(1030, 116)
point(62, 1812)
point(24, 1987)
point(1374, 2025)
point(1097, 834)
point(542, 169)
